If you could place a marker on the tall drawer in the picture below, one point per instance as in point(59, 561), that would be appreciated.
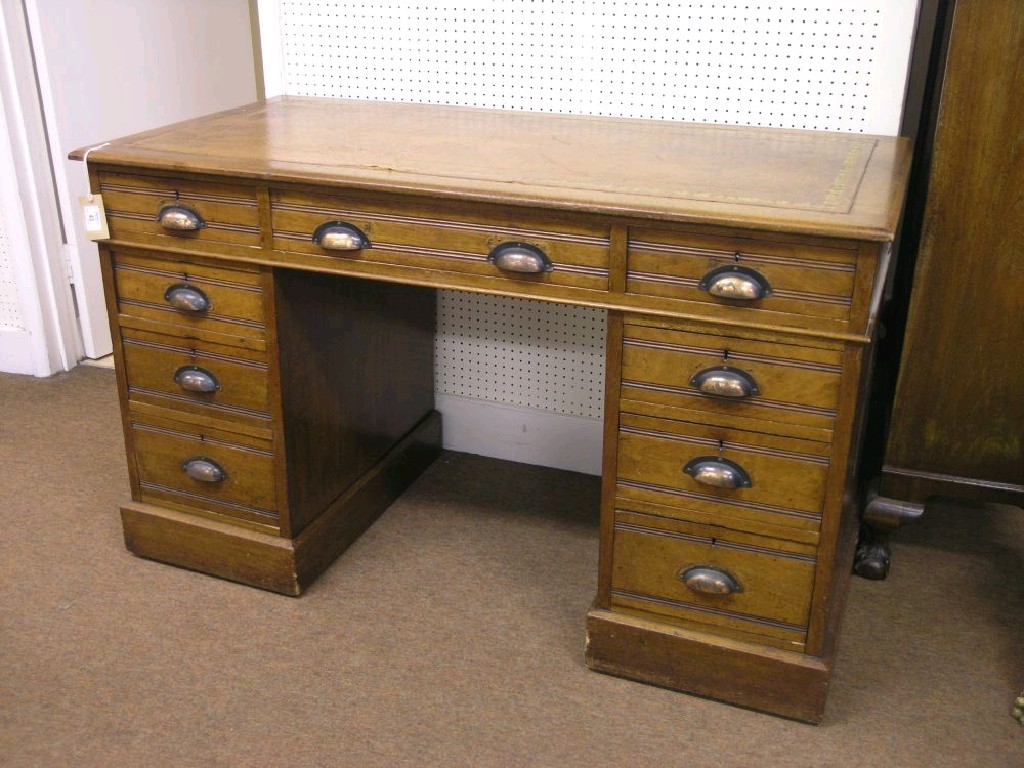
point(206, 470)
point(722, 472)
point(735, 378)
point(190, 298)
point(745, 277)
point(446, 238)
point(742, 583)
point(226, 213)
point(197, 377)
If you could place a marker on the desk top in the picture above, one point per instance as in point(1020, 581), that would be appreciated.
point(811, 182)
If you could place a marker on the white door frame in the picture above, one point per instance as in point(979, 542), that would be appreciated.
point(30, 208)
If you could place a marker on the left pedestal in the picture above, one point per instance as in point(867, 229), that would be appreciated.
point(269, 415)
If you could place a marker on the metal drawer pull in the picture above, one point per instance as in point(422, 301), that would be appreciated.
point(733, 282)
point(718, 472)
point(340, 236)
point(186, 298)
point(725, 382)
point(520, 257)
point(710, 581)
point(180, 218)
point(192, 378)
point(204, 470)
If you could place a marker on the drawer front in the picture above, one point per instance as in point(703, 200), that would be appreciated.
point(797, 278)
point(227, 213)
point(197, 376)
point(748, 584)
point(722, 473)
point(233, 297)
point(731, 378)
point(244, 488)
point(445, 239)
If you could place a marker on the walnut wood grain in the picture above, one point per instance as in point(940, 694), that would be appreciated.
point(957, 425)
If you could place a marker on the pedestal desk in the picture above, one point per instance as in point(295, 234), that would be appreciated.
point(270, 279)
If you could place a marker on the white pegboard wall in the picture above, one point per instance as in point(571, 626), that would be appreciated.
point(824, 65)
point(10, 307)
point(525, 353)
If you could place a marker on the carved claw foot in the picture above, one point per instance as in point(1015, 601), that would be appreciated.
point(881, 516)
point(873, 558)
point(1018, 708)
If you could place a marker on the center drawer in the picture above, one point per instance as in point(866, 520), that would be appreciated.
point(568, 252)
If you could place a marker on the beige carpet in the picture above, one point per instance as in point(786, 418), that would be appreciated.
point(451, 634)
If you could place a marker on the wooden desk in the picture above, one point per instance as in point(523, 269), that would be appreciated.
point(276, 375)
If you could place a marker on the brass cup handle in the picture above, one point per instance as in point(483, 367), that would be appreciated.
point(204, 470)
point(735, 282)
point(340, 236)
point(187, 298)
point(710, 581)
point(717, 472)
point(192, 378)
point(725, 381)
point(179, 218)
point(520, 257)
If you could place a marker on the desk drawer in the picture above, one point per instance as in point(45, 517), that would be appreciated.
point(731, 378)
point(206, 470)
point(196, 376)
point(659, 459)
point(233, 298)
point(798, 279)
point(227, 213)
point(738, 582)
point(445, 238)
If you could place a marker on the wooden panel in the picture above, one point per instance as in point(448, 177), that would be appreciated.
point(806, 278)
point(356, 368)
point(957, 425)
point(413, 233)
point(798, 383)
point(774, 578)
point(784, 472)
point(248, 492)
point(744, 673)
point(132, 202)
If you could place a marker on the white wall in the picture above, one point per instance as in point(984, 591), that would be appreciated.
point(108, 68)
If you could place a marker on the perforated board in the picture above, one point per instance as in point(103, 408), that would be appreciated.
point(10, 308)
point(826, 65)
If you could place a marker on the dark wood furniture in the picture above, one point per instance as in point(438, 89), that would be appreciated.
point(957, 421)
point(269, 278)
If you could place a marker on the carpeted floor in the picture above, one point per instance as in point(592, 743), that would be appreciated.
point(451, 634)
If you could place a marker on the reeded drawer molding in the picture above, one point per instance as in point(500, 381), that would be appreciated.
point(405, 233)
point(248, 493)
point(798, 282)
point(236, 298)
point(229, 211)
point(796, 384)
point(786, 473)
point(773, 580)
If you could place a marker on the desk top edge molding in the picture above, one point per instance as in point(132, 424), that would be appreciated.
point(816, 183)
